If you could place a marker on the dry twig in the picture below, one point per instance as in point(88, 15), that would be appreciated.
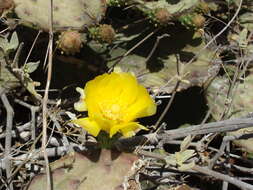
point(8, 136)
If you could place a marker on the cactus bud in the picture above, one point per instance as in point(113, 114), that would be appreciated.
point(70, 42)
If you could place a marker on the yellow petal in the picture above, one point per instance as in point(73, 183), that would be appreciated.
point(127, 129)
point(89, 125)
point(143, 106)
point(129, 132)
point(110, 89)
point(129, 91)
point(94, 95)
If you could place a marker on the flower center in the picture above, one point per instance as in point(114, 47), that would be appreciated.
point(111, 111)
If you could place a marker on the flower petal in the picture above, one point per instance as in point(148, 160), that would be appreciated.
point(143, 106)
point(80, 105)
point(127, 129)
point(89, 125)
point(113, 89)
point(130, 131)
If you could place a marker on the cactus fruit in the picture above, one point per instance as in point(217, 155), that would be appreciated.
point(106, 33)
point(90, 171)
point(103, 33)
point(192, 20)
point(198, 20)
point(66, 14)
point(70, 42)
point(162, 16)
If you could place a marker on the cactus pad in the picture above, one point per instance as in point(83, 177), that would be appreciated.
point(106, 171)
point(161, 75)
point(242, 104)
point(66, 14)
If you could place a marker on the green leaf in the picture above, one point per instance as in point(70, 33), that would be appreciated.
point(31, 67)
point(181, 157)
point(7, 79)
point(243, 42)
point(186, 142)
point(185, 167)
point(8, 46)
point(171, 160)
point(13, 44)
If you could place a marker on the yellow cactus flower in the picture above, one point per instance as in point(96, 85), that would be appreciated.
point(114, 101)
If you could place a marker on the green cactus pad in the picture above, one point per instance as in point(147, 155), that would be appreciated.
point(242, 104)
point(177, 8)
point(66, 14)
point(242, 97)
point(91, 171)
point(161, 75)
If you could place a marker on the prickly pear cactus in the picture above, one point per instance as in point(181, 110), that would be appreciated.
point(241, 104)
point(177, 8)
point(241, 99)
point(66, 14)
point(161, 75)
point(162, 11)
point(107, 170)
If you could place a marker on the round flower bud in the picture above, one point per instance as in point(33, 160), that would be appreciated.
point(162, 16)
point(198, 20)
point(70, 42)
point(106, 33)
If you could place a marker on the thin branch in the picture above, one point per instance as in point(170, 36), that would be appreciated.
point(18, 130)
point(37, 154)
point(225, 142)
point(223, 177)
point(133, 48)
point(172, 96)
point(205, 171)
point(33, 110)
point(58, 126)
point(34, 42)
point(214, 127)
point(155, 45)
point(45, 98)
point(8, 135)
